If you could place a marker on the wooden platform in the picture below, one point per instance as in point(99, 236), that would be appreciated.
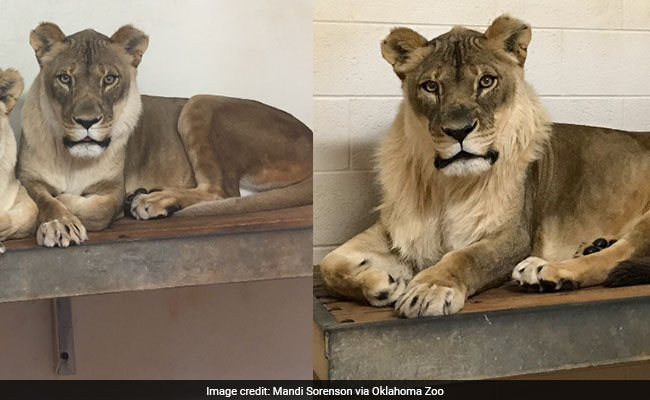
point(507, 297)
point(130, 229)
point(173, 252)
point(499, 333)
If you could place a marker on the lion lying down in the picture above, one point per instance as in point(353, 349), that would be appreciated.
point(476, 181)
point(89, 138)
point(17, 210)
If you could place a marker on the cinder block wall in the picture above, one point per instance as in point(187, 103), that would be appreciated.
point(589, 60)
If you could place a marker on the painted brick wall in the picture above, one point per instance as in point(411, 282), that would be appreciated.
point(588, 59)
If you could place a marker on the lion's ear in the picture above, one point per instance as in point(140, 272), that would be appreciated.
point(11, 86)
point(404, 49)
point(511, 36)
point(44, 37)
point(134, 41)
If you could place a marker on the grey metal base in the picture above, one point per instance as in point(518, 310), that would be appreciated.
point(486, 345)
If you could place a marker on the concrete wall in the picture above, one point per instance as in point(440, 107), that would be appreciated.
point(589, 60)
point(253, 330)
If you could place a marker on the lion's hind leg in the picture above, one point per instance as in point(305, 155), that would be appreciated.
point(225, 150)
point(365, 268)
point(160, 203)
point(212, 181)
point(20, 220)
point(634, 270)
point(623, 262)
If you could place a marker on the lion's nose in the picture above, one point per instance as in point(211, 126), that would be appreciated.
point(459, 131)
point(87, 123)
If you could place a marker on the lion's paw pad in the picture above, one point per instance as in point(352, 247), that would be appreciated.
point(590, 248)
point(597, 245)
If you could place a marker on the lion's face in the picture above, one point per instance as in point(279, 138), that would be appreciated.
point(87, 83)
point(459, 88)
point(11, 86)
point(461, 82)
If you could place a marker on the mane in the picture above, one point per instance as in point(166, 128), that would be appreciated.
point(415, 191)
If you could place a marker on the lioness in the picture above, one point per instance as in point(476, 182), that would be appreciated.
point(17, 210)
point(476, 181)
point(89, 137)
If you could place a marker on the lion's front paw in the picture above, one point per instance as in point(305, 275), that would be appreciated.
point(423, 299)
point(534, 273)
point(2, 248)
point(380, 288)
point(143, 204)
point(61, 232)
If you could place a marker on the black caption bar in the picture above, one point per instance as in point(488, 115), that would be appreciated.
point(290, 390)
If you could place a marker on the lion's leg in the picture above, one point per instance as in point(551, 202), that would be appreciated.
point(97, 210)
point(214, 182)
point(592, 269)
point(159, 203)
point(365, 268)
point(228, 145)
point(57, 225)
point(19, 221)
point(444, 287)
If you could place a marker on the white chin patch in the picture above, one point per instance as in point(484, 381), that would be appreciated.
point(84, 150)
point(474, 166)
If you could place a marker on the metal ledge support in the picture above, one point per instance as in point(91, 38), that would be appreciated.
point(64, 357)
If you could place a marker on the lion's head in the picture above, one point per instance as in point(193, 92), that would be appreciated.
point(88, 88)
point(11, 86)
point(462, 83)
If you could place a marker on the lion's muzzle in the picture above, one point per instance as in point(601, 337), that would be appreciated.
point(69, 143)
point(491, 156)
point(460, 132)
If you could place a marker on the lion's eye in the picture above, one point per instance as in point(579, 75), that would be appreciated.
point(64, 78)
point(487, 81)
point(430, 86)
point(110, 79)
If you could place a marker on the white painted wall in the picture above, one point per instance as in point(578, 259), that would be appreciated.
point(588, 59)
point(259, 49)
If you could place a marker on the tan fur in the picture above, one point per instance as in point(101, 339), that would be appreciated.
point(226, 144)
point(546, 195)
point(90, 137)
point(502, 29)
point(17, 210)
point(403, 50)
point(73, 194)
point(419, 197)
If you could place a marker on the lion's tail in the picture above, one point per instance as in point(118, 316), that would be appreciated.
point(630, 272)
point(299, 194)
